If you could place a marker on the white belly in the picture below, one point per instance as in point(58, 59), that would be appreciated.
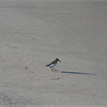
point(53, 64)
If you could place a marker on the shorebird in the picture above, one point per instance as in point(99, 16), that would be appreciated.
point(52, 64)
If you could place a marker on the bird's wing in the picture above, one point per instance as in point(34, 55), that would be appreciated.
point(51, 63)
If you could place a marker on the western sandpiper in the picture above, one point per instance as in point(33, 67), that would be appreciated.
point(52, 64)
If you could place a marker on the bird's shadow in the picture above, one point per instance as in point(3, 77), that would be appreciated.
point(78, 73)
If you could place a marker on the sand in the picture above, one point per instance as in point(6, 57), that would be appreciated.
point(33, 33)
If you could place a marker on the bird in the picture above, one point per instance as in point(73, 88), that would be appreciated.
point(53, 63)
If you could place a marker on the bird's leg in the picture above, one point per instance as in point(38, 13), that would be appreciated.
point(51, 68)
point(55, 69)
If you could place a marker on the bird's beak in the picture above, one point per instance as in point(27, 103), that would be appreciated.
point(59, 60)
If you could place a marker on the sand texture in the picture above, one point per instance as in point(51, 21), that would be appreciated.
point(33, 33)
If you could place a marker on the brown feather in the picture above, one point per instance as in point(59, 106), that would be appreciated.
point(52, 62)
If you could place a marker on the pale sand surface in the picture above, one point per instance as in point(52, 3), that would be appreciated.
point(34, 33)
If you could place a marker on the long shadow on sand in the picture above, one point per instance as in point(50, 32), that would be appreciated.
point(78, 73)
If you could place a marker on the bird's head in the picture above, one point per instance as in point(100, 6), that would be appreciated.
point(57, 59)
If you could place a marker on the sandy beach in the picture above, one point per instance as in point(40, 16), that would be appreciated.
point(34, 33)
